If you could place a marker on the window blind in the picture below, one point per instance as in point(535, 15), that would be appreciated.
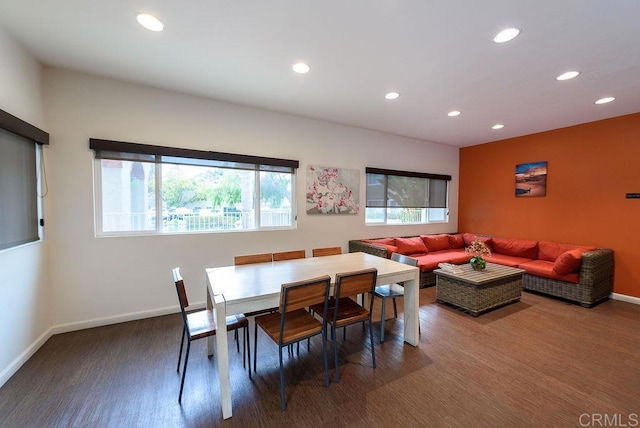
point(405, 189)
point(118, 150)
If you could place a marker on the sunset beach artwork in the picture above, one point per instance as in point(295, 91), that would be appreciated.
point(531, 179)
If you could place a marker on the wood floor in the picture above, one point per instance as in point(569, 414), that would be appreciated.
point(537, 363)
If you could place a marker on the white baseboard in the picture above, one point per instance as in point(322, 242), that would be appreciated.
point(15, 365)
point(625, 298)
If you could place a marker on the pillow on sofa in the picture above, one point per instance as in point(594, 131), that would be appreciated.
point(436, 242)
point(408, 246)
point(568, 262)
point(387, 243)
point(456, 241)
point(515, 247)
point(468, 238)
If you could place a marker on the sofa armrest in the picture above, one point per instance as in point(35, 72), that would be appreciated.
point(596, 266)
point(357, 245)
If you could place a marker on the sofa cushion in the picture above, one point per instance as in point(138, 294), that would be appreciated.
point(408, 246)
point(470, 237)
point(429, 262)
point(456, 241)
point(436, 242)
point(550, 251)
point(545, 269)
point(568, 262)
point(503, 259)
point(515, 247)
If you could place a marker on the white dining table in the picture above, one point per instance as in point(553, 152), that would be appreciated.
point(246, 288)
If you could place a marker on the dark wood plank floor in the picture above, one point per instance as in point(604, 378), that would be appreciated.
point(537, 363)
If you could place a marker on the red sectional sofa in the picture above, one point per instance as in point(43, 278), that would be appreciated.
point(583, 274)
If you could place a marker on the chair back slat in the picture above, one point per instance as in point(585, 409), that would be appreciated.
point(289, 255)
point(329, 251)
point(182, 292)
point(252, 258)
point(401, 258)
point(301, 294)
point(356, 282)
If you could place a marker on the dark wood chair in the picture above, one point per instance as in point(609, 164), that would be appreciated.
point(392, 291)
point(201, 324)
point(328, 251)
point(292, 323)
point(289, 255)
point(344, 310)
point(252, 258)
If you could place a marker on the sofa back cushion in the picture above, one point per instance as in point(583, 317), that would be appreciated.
point(550, 251)
point(456, 241)
point(468, 238)
point(436, 242)
point(408, 246)
point(515, 247)
point(388, 243)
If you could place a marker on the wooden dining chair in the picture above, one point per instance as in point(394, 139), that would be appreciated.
point(289, 255)
point(344, 310)
point(392, 291)
point(328, 251)
point(252, 258)
point(292, 323)
point(201, 324)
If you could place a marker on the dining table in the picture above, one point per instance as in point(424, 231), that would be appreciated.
point(254, 287)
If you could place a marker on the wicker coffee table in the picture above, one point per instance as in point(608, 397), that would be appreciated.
point(479, 291)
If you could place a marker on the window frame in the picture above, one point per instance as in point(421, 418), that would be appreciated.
point(426, 213)
point(161, 155)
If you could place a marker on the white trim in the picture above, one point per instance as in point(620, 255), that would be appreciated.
point(15, 365)
point(625, 298)
point(99, 322)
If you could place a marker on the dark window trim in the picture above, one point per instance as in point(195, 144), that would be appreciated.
point(145, 149)
point(19, 127)
point(370, 170)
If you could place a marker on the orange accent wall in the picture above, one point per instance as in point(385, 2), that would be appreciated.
point(590, 169)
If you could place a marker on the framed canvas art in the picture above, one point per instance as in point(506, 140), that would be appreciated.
point(531, 179)
point(332, 190)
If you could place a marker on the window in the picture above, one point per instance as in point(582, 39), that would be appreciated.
point(19, 208)
point(143, 189)
point(402, 197)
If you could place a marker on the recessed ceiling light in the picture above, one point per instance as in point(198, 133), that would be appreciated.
point(568, 75)
point(605, 100)
point(300, 67)
point(497, 126)
point(150, 22)
point(453, 113)
point(392, 95)
point(506, 35)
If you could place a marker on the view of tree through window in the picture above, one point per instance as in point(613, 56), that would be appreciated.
point(191, 198)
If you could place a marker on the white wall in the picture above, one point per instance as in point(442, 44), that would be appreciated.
point(24, 305)
point(100, 280)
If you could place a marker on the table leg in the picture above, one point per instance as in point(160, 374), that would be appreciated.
point(222, 355)
point(411, 310)
point(210, 339)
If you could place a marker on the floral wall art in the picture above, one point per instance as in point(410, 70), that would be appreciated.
point(332, 190)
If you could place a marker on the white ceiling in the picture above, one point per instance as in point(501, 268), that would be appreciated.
point(438, 54)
